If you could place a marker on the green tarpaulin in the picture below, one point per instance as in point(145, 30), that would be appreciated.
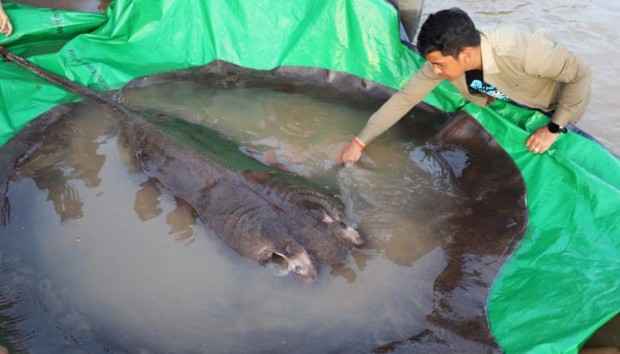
point(563, 281)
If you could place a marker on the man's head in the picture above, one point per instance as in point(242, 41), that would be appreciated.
point(446, 39)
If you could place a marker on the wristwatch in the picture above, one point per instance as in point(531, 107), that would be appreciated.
point(554, 128)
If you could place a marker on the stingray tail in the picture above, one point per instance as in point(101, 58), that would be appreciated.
point(65, 83)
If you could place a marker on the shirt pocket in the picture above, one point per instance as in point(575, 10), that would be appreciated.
point(524, 82)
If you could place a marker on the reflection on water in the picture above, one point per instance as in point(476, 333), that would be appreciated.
point(586, 28)
point(148, 206)
point(53, 168)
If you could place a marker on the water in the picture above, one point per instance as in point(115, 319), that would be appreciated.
point(99, 257)
point(587, 28)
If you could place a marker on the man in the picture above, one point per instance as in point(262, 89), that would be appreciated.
point(509, 62)
point(5, 22)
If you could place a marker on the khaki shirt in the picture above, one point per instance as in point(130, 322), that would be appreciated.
point(526, 65)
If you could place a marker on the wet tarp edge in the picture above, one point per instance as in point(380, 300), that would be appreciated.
point(552, 294)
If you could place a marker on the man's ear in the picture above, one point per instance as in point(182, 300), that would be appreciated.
point(465, 55)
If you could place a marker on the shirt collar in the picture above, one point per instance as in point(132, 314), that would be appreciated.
point(489, 65)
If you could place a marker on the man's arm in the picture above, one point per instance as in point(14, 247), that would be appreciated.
point(400, 103)
point(392, 111)
point(551, 60)
point(547, 59)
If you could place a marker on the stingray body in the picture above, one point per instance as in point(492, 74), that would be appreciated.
point(259, 211)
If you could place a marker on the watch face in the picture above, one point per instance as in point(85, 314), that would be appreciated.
point(554, 128)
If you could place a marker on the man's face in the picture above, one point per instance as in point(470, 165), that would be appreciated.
point(447, 66)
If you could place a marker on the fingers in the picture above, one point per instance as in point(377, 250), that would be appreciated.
point(541, 140)
point(5, 24)
point(537, 147)
point(351, 154)
point(534, 145)
point(348, 159)
point(6, 28)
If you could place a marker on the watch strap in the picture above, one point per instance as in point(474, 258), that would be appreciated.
point(554, 128)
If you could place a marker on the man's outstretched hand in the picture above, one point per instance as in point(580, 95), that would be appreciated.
point(353, 152)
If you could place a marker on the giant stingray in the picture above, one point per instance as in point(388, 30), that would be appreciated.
point(258, 211)
point(484, 232)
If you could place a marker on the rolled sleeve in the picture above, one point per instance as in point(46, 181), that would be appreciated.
point(414, 91)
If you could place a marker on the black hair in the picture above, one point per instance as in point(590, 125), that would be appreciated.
point(448, 31)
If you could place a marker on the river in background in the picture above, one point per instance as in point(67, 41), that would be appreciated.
point(587, 28)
